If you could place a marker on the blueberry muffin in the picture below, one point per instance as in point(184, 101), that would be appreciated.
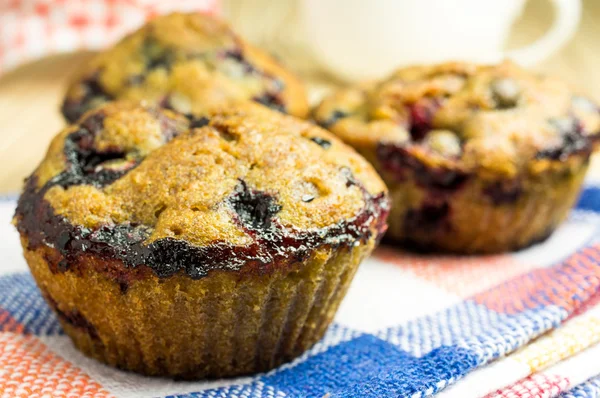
point(184, 62)
point(204, 252)
point(478, 159)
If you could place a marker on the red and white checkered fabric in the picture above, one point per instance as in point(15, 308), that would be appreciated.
point(31, 29)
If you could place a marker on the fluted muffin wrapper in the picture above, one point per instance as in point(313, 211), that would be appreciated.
point(225, 324)
point(475, 224)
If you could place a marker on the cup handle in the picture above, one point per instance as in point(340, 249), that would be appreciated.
point(566, 18)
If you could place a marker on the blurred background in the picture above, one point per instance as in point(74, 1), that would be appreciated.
point(328, 42)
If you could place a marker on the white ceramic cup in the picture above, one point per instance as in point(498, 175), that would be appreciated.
point(360, 39)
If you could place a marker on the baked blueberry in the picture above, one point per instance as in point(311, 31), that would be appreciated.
point(478, 159)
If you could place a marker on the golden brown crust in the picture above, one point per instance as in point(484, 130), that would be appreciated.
point(502, 116)
point(187, 62)
point(188, 178)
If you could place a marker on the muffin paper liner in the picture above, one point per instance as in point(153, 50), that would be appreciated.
point(477, 225)
point(222, 325)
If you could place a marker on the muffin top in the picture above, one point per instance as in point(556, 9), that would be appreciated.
point(496, 120)
point(251, 189)
point(184, 62)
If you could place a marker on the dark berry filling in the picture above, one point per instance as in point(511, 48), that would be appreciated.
point(573, 140)
point(194, 121)
point(504, 192)
point(399, 161)
point(255, 210)
point(322, 142)
point(272, 96)
point(236, 55)
point(274, 244)
point(93, 92)
point(73, 318)
point(397, 158)
point(164, 60)
point(429, 217)
point(197, 122)
point(336, 115)
point(271, 100)
point(421, 117)
point(86, 164)
point(170, 127)
point(156, 55)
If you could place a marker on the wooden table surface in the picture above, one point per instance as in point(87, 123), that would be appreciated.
point(29, 96)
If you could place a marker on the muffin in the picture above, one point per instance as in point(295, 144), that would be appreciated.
point(204, 252)
point(184, 62)
point(478, 159)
